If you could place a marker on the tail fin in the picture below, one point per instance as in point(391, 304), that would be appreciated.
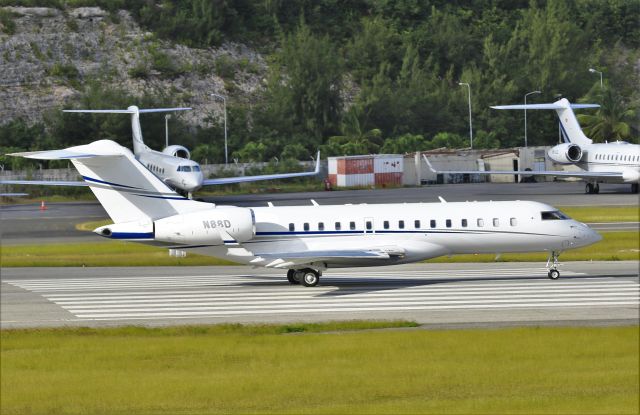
point(126, 189)
point(568, 121)
point(138, 144)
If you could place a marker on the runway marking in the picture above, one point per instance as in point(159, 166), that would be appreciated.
point(200, 296)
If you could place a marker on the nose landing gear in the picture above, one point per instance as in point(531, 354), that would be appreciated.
point(553, 273)
point(307, 277)
point(592, 188)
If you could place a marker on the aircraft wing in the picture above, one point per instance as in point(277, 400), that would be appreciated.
point(555, 173)
point(243, 179)
point(45, 182)
point(289, 259)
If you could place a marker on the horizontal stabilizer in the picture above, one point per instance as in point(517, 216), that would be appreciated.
point(131, 110)
point(554, 106)
point(102, 148)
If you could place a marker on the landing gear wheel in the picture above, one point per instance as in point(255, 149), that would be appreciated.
point(291, 277)
point(588, 188)
point(552, 265)
point(634, 188)
point(596, 188)
point(554, 274)
point(310, 278)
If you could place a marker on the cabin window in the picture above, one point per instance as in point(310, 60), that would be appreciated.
point(401, 224)
point(305, 226)
point(385, 224)
point(448, 223)
point(369, 225)
point(432, 223)
point(513, 221)
point(553, 215)
point(464, 223)
point(292, 227)
point(352, 226)
point(496, 222)
point(480, 223)
point(320, 226)
point(338, 226)
point(416, 224)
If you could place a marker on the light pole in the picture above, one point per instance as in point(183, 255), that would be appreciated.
point(224, 102)
point(525, 114)
point(598, 72)
point(166, 129)
point(470, 122)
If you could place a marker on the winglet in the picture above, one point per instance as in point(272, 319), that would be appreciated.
point(317, 169)
point(442, 199)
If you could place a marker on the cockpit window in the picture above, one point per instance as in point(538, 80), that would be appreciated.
point(196, 168)
point(553, 215)
point(184, 168)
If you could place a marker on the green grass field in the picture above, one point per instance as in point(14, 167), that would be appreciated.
point(616, 246)
point(261, 369)
point(595, 214)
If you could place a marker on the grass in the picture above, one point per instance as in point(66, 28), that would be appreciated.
point(616, 246)
point(260, 369)
point(596, 214)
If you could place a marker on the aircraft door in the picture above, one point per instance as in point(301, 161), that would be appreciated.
point(369, 225)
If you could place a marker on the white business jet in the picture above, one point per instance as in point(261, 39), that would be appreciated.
point(305, 240)
point(171, 165)
point(617, 162)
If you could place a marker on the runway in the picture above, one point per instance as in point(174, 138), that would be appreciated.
point(441, 295)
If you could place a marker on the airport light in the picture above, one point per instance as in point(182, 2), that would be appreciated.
point(224, 102)
point(598, 72)
point(166, 129)
point(470, 122)
point(525, 115)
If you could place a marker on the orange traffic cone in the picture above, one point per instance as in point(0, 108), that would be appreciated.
point(42, 205)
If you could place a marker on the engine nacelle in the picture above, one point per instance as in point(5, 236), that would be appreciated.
point(566, 153)
point(216, 226)
point(177, 151)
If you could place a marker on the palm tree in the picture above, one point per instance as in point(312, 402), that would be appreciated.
point(611, 122)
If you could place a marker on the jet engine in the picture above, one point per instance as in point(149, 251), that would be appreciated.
point(565, 153)
point(216, 226)
point(177, 151)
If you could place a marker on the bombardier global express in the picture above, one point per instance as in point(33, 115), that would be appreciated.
point(616, 162)
point(309, 239)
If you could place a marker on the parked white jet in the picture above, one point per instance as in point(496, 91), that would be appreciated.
point(307, 240)
point(617, 162)
point(171, 165)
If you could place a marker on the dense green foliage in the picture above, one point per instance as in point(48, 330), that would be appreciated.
point(376, 75)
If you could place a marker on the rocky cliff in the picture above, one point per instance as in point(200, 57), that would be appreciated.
point(48, 56)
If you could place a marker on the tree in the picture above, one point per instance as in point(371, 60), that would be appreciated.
point(611, 121)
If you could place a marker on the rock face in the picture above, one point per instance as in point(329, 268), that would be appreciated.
point(49, 56)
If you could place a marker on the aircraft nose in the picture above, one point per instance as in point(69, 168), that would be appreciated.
point(192, 181)
point(585, 235)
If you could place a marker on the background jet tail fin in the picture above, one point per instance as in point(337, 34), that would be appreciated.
point(126, 189)
point(568, 121)
point(138, 143)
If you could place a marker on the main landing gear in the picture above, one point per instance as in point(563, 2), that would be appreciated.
point(592, 188)
point(553, 274)
point(306, 276)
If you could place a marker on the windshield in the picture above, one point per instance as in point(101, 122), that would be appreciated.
point(196, 168)
point(553, 215)
point(184, 168)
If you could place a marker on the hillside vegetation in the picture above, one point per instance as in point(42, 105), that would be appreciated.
point(346, 77)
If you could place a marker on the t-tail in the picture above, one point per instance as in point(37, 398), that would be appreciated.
point(568, 122)
point(127, 190)
point(138, 143)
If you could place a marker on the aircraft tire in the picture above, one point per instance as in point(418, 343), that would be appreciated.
point(634, 188)
point(291, 277)
point(596, 188)
point(553, 274)
point(310, 278)
point(588, 188)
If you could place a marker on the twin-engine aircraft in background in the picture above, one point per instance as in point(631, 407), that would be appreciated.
point(305, 240)
point(617, 162)
point(171, 165)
